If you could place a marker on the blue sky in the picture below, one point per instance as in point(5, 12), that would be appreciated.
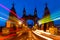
point(53, 5)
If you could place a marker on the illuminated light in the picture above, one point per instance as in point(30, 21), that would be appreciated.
point(37, 33)
point(57, 19)
point(52, 17)
point(35, 24)
point(20, 23)
point(13, 18)
point(3, 18)
point(8, 24)
point(47, 33)
point(41, 31)
point(44, 20)
point(39, 23)
point(23, 25)
point(8, 9)
point(55, 15)
point(3, 14)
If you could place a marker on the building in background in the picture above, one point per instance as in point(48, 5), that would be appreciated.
point(46, 26)
point(12, 21)
point(30, 17)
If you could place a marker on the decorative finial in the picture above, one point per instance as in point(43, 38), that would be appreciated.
point(46, 4)
point(24, 9)
point(35, 9)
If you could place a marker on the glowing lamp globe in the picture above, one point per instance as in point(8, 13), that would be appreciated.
point(20, 23)
point(39, 23)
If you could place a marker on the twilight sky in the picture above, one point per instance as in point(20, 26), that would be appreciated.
point(53, 5)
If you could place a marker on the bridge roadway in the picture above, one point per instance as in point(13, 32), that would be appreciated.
point(26, 36)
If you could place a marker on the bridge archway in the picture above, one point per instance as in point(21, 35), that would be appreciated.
point(30, 23)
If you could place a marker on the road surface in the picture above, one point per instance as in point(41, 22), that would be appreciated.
point(26, 36)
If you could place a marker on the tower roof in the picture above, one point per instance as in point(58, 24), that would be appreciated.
point(24, 12)
point(46, 12)
point(12, 12)
point(35, 12)
point(13, 9)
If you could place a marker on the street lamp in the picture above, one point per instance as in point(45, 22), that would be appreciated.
point(20, 23)
point(39, 23)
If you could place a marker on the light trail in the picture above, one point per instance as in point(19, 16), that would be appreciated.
point(3, 14)
point(6, 37)
point(8, 10)
point(45, 20)
point(49, 18)
point(2, 19)
point(57, 19)
point(11, 12)
point(14, 19)
point(39, 32)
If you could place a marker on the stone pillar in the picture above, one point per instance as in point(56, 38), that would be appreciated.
point(47, 26)
point(17, 27)
point(42, 27)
